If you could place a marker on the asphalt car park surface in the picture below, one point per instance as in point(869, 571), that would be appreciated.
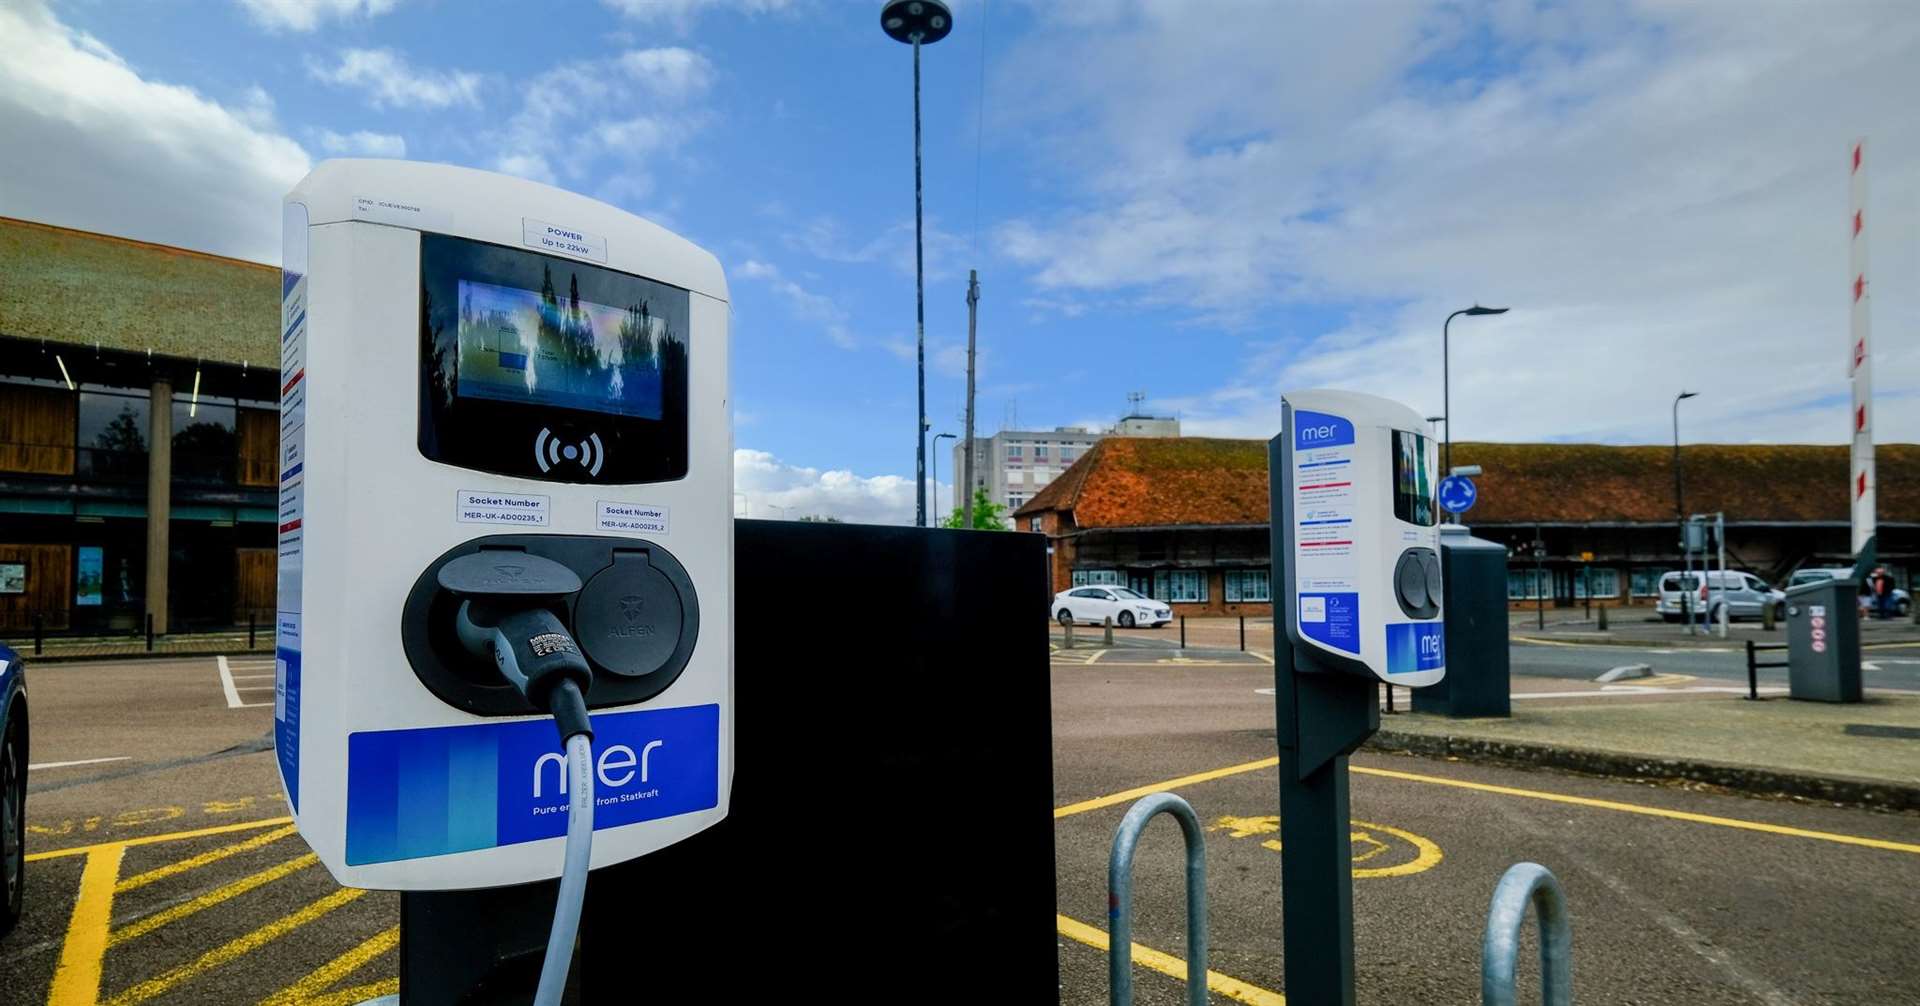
point(154, 809)
point(1677, 896)
point(191, 889)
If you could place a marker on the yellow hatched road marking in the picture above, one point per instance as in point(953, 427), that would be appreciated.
point(1139, 791)
point(233, 949)
point(1171, 966)
point(210, 899)
point(195, 862)
point(356, 995)
point(76, 982)
point(1532, 794)
point(172, 836)
point(1097, 654)
point(307, 991)
point(1635, 808)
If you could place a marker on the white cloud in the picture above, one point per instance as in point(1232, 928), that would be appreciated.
point(774, 488)
point(1657, 191)
point(943, 252)
point(670, 72)
point(362, 143)
point(639, 106)
point(306, 15)
point(390, 82)
point(682, 13)
point(804, 303)
point(92, 144)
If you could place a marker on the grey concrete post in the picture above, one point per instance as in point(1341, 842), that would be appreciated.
point(159, 498)
point(1107, 624)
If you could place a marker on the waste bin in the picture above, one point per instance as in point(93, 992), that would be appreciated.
point(1823, 641)
point(1477, 681)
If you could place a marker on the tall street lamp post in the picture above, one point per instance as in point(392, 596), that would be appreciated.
point(917, 23)
point(1679, 493)
point(936, 463)
point(1446, 411)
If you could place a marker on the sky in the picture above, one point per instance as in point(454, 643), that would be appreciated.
point(1209, 202)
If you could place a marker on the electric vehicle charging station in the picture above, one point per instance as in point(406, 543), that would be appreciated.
point(506, 474)
point(1356, 548)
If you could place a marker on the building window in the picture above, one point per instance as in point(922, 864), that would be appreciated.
point(1015, 501)
point(1529, 584)
point(1067, 455)
point(1248, 585)
point(1040, 452)
point(1602, 582)
point(112, 435)
point(1188, 585)
point(1033, 523)
point(1013, 452)
point(206, 442)
point(1646, 581)
point(1097, 578)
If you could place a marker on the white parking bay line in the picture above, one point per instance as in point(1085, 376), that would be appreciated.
point(70, 764)
point(226, 684)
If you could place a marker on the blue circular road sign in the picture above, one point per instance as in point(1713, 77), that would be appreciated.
point(1457, 494)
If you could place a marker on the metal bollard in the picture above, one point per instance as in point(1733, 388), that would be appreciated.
point(1603, 618)
point(1766, 616)
point(149, 632)
point(1068, 645)
point(1243, 633)
point(1106, 624)
point(1120, 898)
point(39, 633)
point(250, 629)
point(1183, 632)
point(1524, 884)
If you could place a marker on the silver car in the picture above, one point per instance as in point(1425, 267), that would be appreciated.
point(1704, 592)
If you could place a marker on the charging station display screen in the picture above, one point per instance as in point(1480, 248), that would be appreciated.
point(550, 368)
point(1413, 483)
point(530, 346)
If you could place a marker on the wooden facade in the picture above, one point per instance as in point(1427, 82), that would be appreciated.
point(37, 430)
point(49, 587)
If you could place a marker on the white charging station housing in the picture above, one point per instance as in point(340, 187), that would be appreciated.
point(1362, 572)
point(468, 355)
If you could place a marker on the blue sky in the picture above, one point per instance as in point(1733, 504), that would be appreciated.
point(1208, 209)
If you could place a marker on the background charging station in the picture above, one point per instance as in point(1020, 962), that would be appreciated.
point(1362, 597)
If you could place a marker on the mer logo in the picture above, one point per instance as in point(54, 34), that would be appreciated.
point(435, 791)
point(615, 767)
point(1416, 646)
point(1318, 429)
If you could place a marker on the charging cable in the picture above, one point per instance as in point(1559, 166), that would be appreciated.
point(538, 657)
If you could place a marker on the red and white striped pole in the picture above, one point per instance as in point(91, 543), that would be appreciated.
point(1860, 484)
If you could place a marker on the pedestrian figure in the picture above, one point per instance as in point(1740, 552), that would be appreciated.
point(1881, 583)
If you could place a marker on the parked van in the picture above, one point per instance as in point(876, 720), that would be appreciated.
point(1745, 595)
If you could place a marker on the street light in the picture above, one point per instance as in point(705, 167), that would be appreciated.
point(936, 457)
point(1446, 410)
point(1679, 496)
point(1433, 424)
point(917, 23)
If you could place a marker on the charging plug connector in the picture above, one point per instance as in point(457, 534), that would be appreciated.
point(537, 656)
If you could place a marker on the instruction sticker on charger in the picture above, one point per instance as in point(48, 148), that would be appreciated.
point(632, 517)
point(476, 506)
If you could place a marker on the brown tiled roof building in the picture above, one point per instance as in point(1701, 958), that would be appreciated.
point(1186, 519)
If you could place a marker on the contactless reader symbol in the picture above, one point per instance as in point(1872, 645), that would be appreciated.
point(549, 450)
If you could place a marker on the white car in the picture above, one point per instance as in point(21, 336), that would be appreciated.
point(1743, 593)
point(1093, 605)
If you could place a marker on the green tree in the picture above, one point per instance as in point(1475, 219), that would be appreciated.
point(987, 515)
